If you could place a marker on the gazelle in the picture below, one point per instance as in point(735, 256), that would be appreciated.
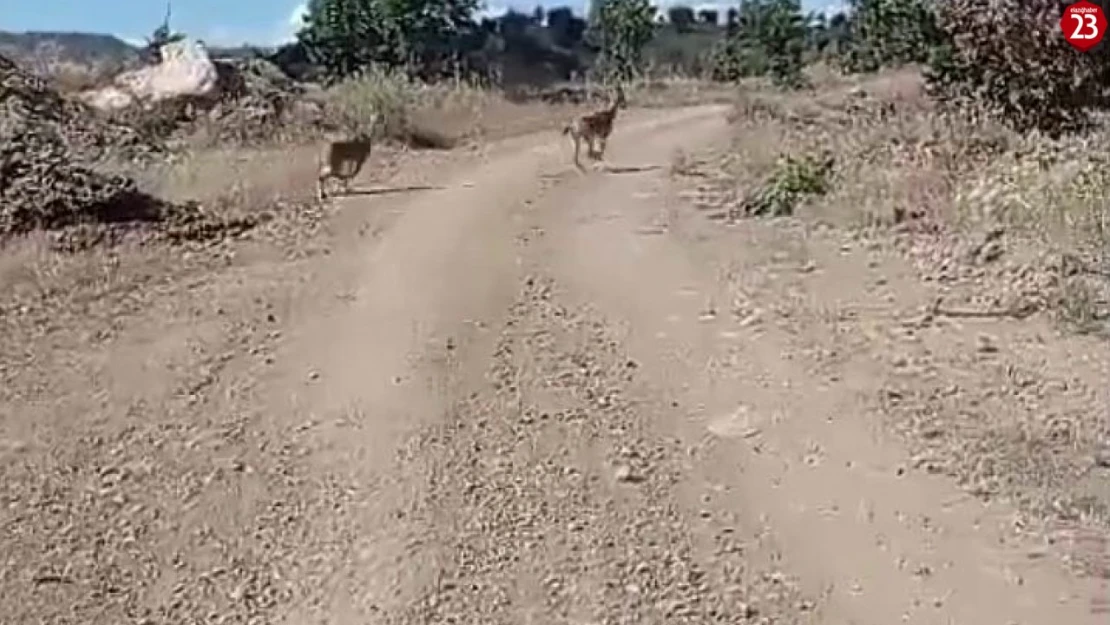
point(595, 126)
point(343, 160)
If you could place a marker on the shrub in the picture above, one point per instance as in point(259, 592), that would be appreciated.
point(769, 39)
point(792, 181)
point(621, 29)
point(889, 33)
point(1006, 59)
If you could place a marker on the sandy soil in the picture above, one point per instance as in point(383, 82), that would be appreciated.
point(524, 396)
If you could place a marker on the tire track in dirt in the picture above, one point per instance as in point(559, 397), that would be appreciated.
point(555, 496)
point(778, 399)
point(413, 337)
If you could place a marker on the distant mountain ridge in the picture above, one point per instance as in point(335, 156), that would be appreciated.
point(35, 48)
point(39, 50)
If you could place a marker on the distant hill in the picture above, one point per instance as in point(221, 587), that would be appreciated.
point(40, 50)
point(45, 51)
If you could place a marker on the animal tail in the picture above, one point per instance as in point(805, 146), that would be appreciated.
point(567, 129)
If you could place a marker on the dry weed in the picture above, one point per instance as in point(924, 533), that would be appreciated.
point(996, 221)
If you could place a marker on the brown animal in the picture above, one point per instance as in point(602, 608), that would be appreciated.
point(595, 126)
point(342, 160)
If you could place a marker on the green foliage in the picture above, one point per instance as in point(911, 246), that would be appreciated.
point(769, 38)
point(1008, 60)
point(620, 29)
point(829, 37)
point(793, 181)
point(682, 17)
point(348, 36)
point(890, 33)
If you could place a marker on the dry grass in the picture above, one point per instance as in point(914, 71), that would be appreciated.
point(898, 161)
point(437, 116)
point(1021, 416)
point(677, 91)
point(272, 183)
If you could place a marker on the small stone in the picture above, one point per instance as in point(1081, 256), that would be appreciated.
point(624, 474)
point(985, 344)
point(1102, 458)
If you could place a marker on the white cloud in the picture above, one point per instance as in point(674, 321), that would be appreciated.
point(492, 10)
point(296, 18)
point(283, 31)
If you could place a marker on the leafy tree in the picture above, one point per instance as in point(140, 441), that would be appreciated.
point(1007, 59)
point(837, 34)
point(514, 23)
point(732, 21)
point(431, 31)
point(682, 17)
point(566, 29)
point(620, 31)
point(769, 38)
point(347, 36)
point(890, 33)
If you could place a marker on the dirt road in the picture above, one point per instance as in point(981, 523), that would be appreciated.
point(530, 396)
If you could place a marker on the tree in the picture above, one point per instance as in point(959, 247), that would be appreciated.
point(732, 21)
point(682, 17)
point(890, 33)
point(431, 30)
point(347, 36)
point(621, 30)
point(709, 17)
point(514, 23)
point(770, 38)
point(1007, 59)
point(566, 29)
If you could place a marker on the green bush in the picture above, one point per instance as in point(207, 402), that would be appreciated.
point(889, 33)
point(792, 181)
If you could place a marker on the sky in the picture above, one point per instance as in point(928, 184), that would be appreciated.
point(216, 22)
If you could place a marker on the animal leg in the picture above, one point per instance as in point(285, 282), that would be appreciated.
point(577, 149)
point(321, 188)
point(601, 142)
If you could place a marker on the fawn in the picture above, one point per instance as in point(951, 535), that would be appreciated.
point(597, 125)
point(343, 160)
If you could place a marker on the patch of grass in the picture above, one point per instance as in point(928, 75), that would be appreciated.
point(1081, 307)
